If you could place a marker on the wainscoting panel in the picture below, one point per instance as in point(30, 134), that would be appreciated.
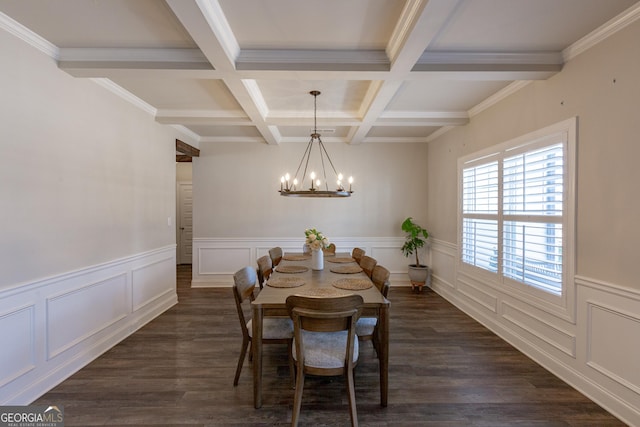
point(443, 262)
point(216, 259)
point(613, 348)
point(478, 294)
point(98, 305)
point(53, 327)
point(538, 328)
point(598, 353)
point(152, 281)
point(18, 356)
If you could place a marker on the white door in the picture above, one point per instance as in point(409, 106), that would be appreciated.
point(185, 223)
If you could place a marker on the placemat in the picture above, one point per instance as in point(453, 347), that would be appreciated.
point(346, 269)
point(321, 292)
point(296, 257)
point(353, 284)
point(291, 269)
point(326, 254)
point(341, 260)
point(286, 282)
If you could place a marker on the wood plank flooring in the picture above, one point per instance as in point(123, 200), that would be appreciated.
point(445, 370)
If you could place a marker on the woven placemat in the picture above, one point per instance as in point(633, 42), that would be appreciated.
point(296, 257)
point(326, 254)
point(286, 282)
point(353, 284)
point(291, 269)
point(341, 260)
point(347, 269)
point(321, 292)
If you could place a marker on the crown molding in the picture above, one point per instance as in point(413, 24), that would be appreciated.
point(28, 36)
point(126, 95)
point(603, 32)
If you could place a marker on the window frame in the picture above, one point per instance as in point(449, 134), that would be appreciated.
point(558, 304)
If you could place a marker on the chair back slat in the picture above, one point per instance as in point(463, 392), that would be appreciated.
point(368, 264)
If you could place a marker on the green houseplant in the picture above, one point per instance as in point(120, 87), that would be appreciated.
point(416, 237)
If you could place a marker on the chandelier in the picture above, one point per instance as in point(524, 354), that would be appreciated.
point(297, 188)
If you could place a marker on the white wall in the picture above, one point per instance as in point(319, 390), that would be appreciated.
point(597, 350)
point(238, 211)
point(88, 186)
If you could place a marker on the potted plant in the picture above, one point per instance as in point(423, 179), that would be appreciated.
point(419, 274)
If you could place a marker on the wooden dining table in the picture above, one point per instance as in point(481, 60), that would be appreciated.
point(289, 279)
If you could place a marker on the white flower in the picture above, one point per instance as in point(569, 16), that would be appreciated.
point(315, 239)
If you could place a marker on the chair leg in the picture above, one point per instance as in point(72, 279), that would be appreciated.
point(292, 367)
point(297, 398)
point(243, 353)
point(250, 351)
point(352, 398)
point(375, 340)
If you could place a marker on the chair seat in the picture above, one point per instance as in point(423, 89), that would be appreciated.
point(366, 325)
point(325, 349)
point(274, 328)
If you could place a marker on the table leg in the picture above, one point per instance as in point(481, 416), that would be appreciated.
point(383, 354)
point(256, 346)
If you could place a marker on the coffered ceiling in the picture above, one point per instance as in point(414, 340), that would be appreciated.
point(241, 70)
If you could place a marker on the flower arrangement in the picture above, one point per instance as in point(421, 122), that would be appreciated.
point(315, 239)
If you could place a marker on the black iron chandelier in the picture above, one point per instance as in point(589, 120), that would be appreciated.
point(294, 188)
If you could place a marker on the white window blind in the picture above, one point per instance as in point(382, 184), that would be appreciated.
point(513, 209)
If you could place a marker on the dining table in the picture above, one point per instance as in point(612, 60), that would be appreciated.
point(340, 274)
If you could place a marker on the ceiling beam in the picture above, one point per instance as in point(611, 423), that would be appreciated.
point(186, 149)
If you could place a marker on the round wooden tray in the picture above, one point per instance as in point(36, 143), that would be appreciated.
point(341, 260)
point(352, 284)
point(291, 269)
point(346, 269)
point(285, 282)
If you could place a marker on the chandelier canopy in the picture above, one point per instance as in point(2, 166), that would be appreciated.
point(295, 188)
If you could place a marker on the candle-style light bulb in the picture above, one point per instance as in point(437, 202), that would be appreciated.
point(318, 182)
point(339, 177)
point(281, 182)
point(312, 175)
point(295, 182)
point(350, 182)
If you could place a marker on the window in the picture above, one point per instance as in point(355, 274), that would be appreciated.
point(516, 212)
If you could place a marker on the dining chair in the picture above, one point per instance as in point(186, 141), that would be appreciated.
point(367, 326)
point(357, 254)
point(331, 249)
point(368, 264)
point(275, 330)
point(276, 255)
point(264, 270)
point(324, 342)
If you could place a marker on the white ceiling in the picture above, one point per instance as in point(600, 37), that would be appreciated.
point(241, 70)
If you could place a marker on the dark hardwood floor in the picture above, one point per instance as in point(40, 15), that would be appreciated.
point(445, 370)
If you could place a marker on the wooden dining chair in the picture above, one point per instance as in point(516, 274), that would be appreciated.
point(324, 342)
point(357, 254)
point(367, 326)
point(264, 270)
point(276, 255)
point(368, 264)
point(275, 330)
point(331, 249)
